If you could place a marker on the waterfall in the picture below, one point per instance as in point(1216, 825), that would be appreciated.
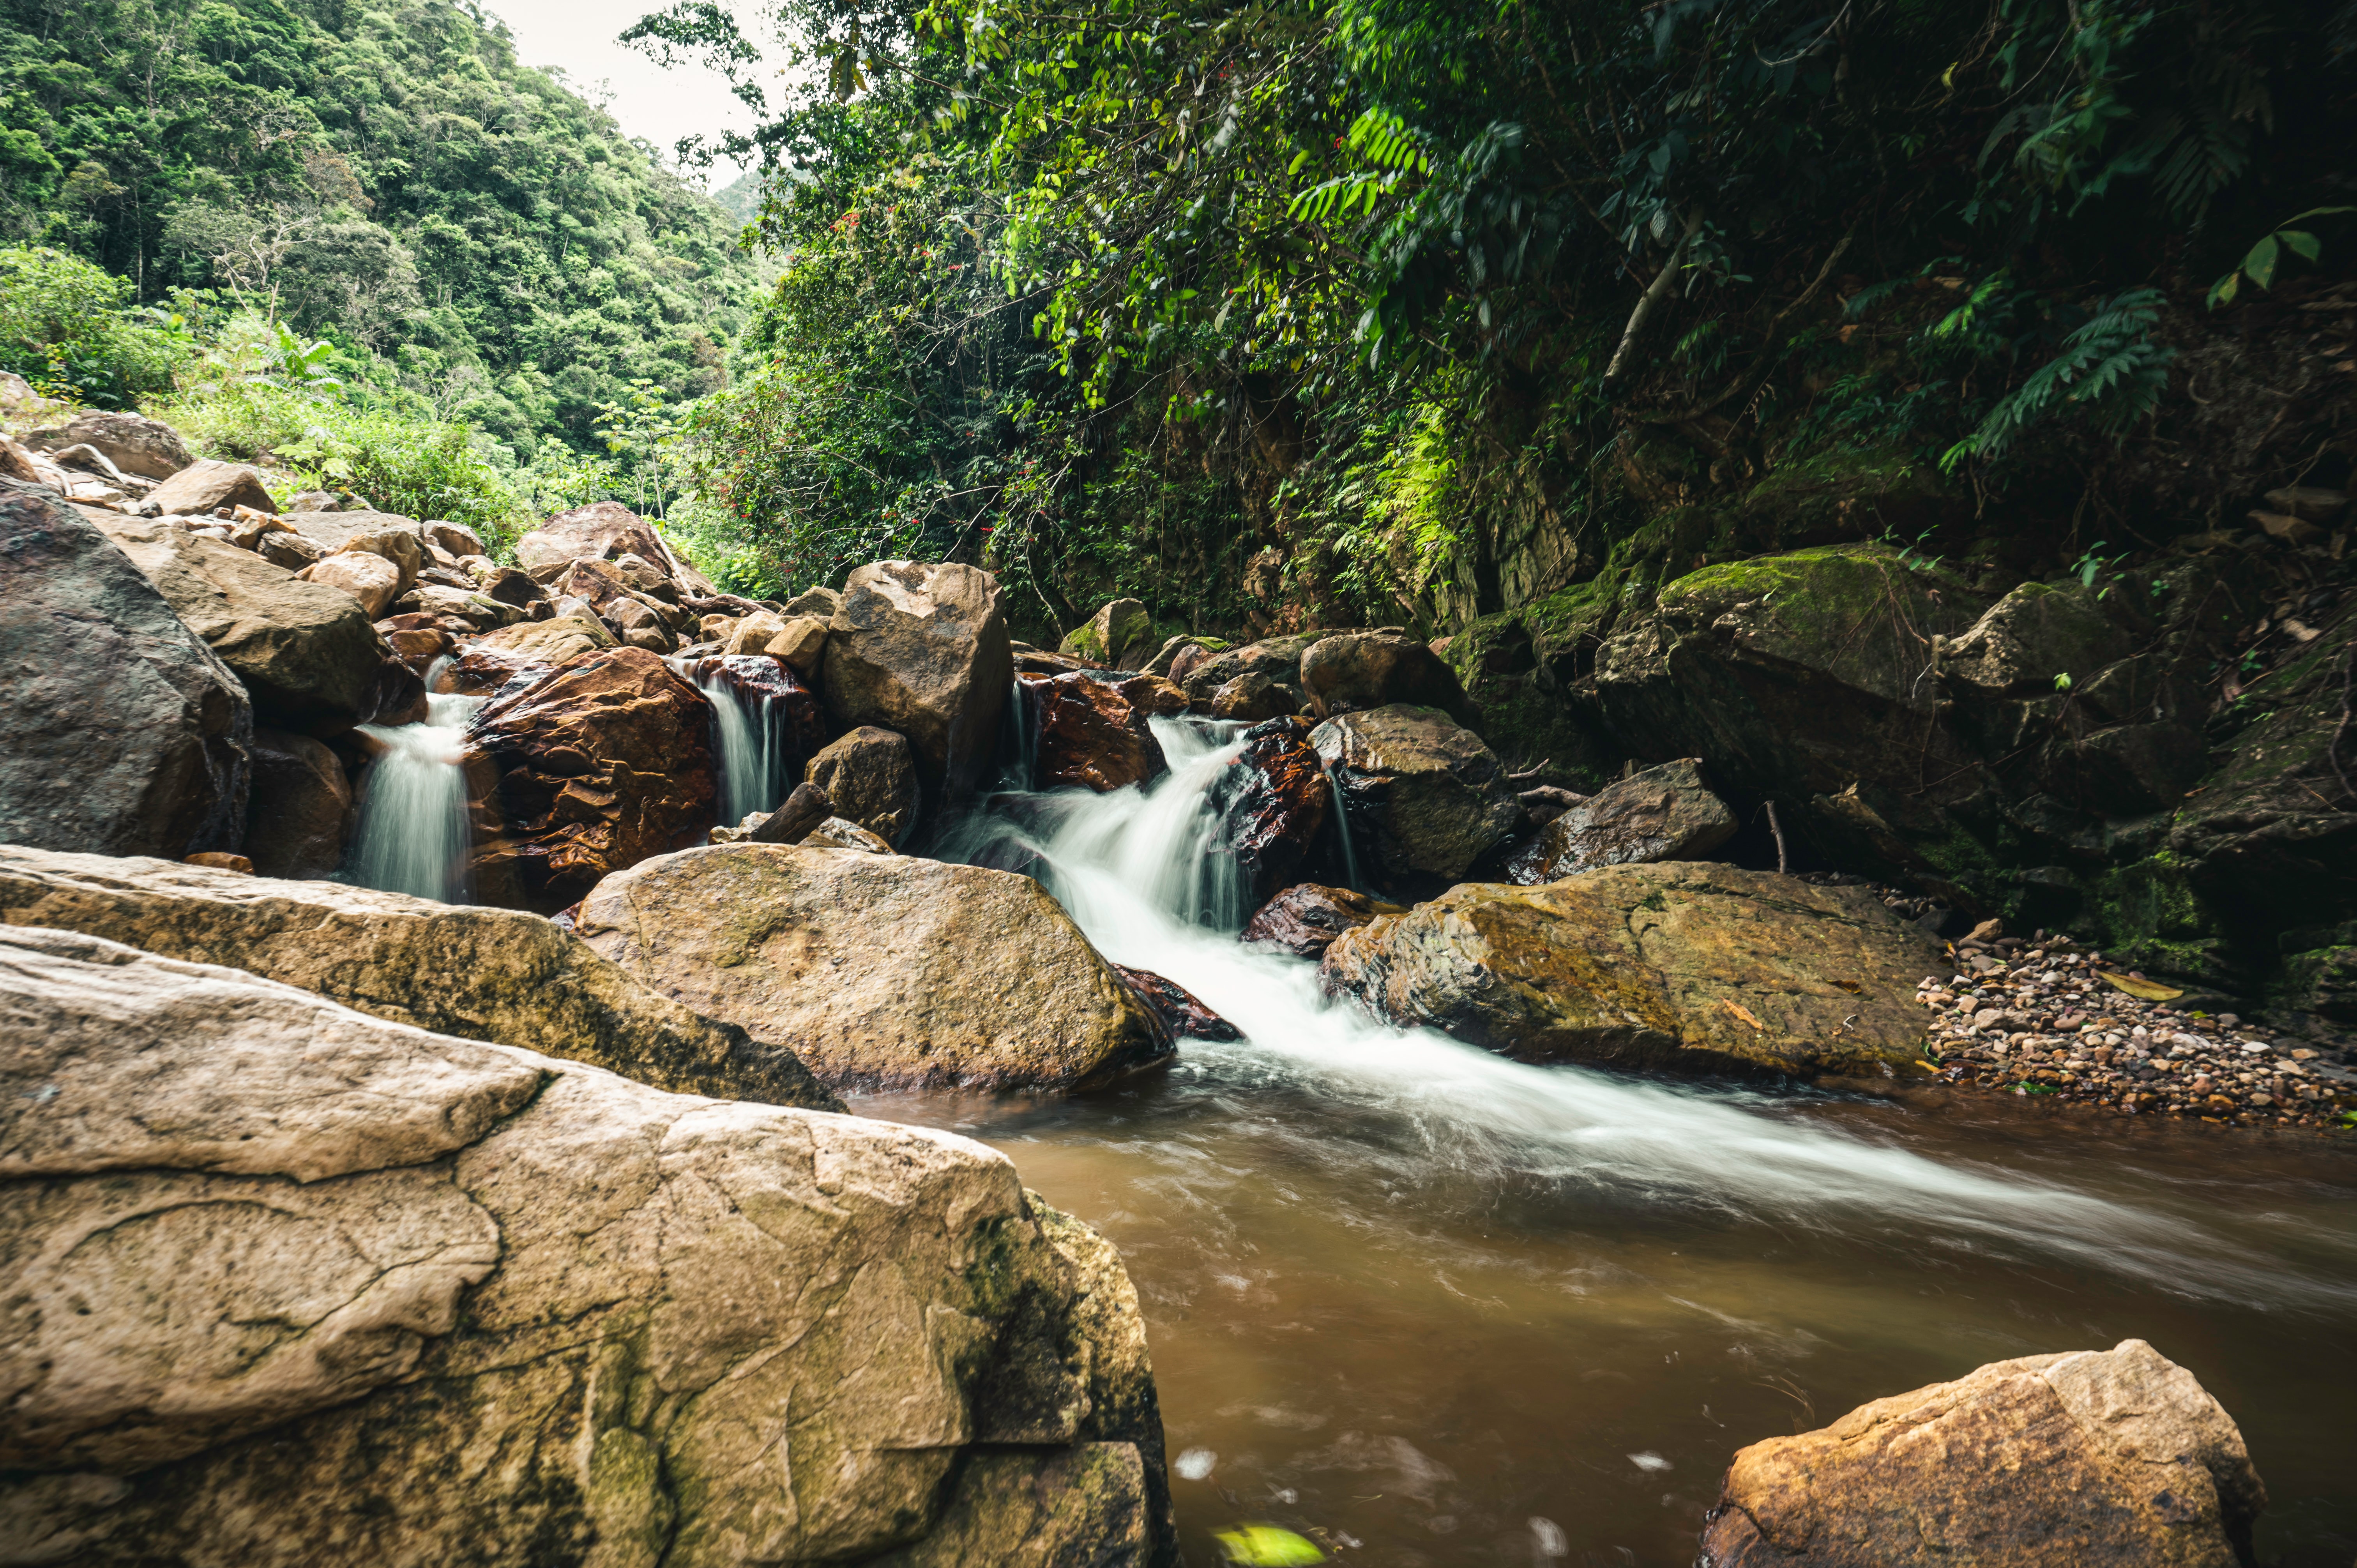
point(1138, 870)
point(412, 829)
point(1358, 884)
point(749, 741)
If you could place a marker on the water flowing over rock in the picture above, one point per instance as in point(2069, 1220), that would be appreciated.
point(1272, 804)
point(1692, 967)
point(1425, 797)
point(1087, 731)
point(1120, 636)
point(208, 486)
point(307, 654)
point(123, 733)
point(299, 814)
point(708, 1333)
point(921, 648)
point(766, 727)
point(871, 779)
point(2109, 1459)
point(1305, 918)
point(411, 834)
point(1178, 1010)
point(483, 974)
point(590, 770)
point(877, 970)
point(1661, 814)
point(1351, 671)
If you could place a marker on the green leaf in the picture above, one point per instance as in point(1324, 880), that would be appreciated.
point(1265, 1546)
point(2301, 242)
point(2222, 292)
point(2261, 262)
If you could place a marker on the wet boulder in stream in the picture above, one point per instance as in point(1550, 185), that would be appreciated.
point(1178, 1010)
point(1691, 967)
point(300, 811)
point(1305, 918)
point(871, 779)
point(877, 970)
point(1278, 657)
point(589, 770)
point(2110, 1458)
point(1350, 672)
point(1423, 797)
point(123, 732)
point(1088, 732)
point(920, 648)
point(1272, 802)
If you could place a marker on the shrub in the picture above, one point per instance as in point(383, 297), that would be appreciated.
point(64, 325)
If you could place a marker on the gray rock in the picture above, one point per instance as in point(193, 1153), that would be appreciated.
point(300, 813)
point(1278, 658)
point(1663, 813)
point(132, 442)
point(1423, 796)
point(123, 733)
point(1351, 671)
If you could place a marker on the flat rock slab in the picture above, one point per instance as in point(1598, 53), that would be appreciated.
point(883, 970)
point(292, 1285)
point(2098, 1458)
point(482, 975)
point(1691, 967)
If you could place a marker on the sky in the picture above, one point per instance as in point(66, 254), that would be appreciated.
point(650, 101)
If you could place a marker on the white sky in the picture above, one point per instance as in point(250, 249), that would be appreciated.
point(660, 106)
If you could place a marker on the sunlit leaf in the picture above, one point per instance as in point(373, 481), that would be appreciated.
point(2142, 990)
point(1266, 1546)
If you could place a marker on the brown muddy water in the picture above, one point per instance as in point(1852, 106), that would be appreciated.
point(1429, 1307)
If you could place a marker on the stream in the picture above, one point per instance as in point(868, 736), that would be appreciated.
point(1429, 1306)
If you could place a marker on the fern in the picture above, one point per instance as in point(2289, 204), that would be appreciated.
point(2109, 370)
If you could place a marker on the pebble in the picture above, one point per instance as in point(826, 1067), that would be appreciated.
point(2039, 1020)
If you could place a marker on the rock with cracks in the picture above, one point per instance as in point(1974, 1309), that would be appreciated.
point(294, 1276)
point(2109, 1459)
point(1306, 917)
point(871, 779)
point(1273, 804)
point(921, 648)
point(877, 970)
point(481, 973)
point(1688, 967)
point(1086, 731)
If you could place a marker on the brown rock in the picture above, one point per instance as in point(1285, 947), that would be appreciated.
point(481, 671)
point(289, 550)
point(921, 648)
point(133, 443)
point(586, 772)
point(1351, 671)
point(1689, 966)
point(2109, 1459)
point(1179, 1011)
point(1119, 636)
point(1272, 804)
point(1253, 697)
point(877, 970)
point(552, 642)
point(2312, 503)
point(371, 579)
point(802, 644)
point(457, 538)
point(1085, 732)
point(506, 584)
point(419, 646)
point(841, 833)
point(206, 485)
point(1153, 695)
point(820, 602)
point(299, 816)
point(1664, 813)
point(755, 632)
point(1278, 658)
point(1187, 660)
point(599, 531)
point(802, 810)
point(221, 860)
point(1033, 662)
point(123, 732)
point(872, 780)
point(1305, 918)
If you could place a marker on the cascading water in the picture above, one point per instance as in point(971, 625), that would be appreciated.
point(752, 749)
point(412, 833)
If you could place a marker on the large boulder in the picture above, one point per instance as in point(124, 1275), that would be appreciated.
point(1120, 636)
point(877, 970)
point(1306, 917)
point(602, 531)
point(1690, 967)
point(366, 578)
point(1085, 731)
point(2110, 1458)
point(558, 640)
point(379, 532)
point(1423, 797)
point(589, 770)
point(343, 1293)
point(921, 648)
point(299, 814)
point(1351, 671)
point(123, 732)
point(871, 779)
point(1661, 814)
point(1273, 803)
point(208, 485)
point(133, 443)
point(1278, 657)
point(308, 653)
point(485, 974)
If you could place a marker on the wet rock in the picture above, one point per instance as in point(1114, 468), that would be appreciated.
point(586, 772)
point(2031, 636)
point(371, 579)
point(1031, 662)
point(768, 685)
point(871, 777)
point(1272, 803)
point(299, 814)
point(877, 970)
point(1119, 636)
point(1687, 966)
point(132, 442)
point(2094, 1457)
point(1251, 697)
point(1305, 918)
point(1425, 798)
point(1153, 696)
point(1278, 657)
point(205, 486)
point(1179, 1011)
point(123, 732)
point(288, 1365)
point(599, 531)
point(306, 652)
point(480, 671)
point(1663, 813)
point(481, 974)
point(1351, 671)
point(920, 649)
point(1086, 732)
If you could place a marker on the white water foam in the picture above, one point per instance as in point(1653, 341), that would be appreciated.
point(412, 833)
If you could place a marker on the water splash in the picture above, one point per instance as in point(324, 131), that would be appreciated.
point(413, 834)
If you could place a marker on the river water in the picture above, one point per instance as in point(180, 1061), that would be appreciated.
point(1430, 1307)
